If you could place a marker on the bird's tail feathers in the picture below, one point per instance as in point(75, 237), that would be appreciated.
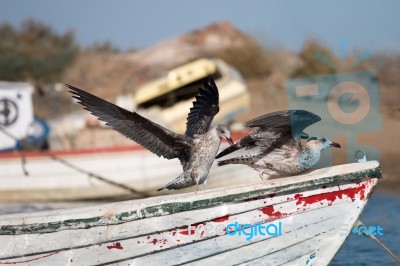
point(177, 183)
point(230, 161)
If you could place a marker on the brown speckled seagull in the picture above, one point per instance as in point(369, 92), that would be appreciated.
point(196, 149)
point(275, 147)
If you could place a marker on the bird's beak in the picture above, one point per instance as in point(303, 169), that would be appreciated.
point(334, 144)
point(230, 141)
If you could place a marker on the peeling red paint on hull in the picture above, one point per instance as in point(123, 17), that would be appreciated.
point(352, 193)
point(270, 211)
point(334, 195)
point(275, 211)
point(116, 245)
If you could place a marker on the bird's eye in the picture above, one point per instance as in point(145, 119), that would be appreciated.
point(223, 131)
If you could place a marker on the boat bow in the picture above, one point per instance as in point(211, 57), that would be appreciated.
point(315, 212)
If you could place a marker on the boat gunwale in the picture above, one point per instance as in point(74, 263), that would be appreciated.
point(170, 204)
point(12, 155)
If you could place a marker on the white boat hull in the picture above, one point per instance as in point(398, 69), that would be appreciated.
point(316, 212)
point(135, 167)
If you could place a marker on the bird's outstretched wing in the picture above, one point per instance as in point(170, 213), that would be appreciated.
point(155, 138)
point(291, 121)
point(274, 130)
point(204, 109)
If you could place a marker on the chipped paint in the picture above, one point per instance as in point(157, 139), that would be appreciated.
point(329, 197)
point(332, 196)
point(116, 245)
point(312, 256)
point(124, 215)
point(158, 241)
point(270, 211)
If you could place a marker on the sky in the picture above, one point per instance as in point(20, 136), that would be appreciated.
point(138, 24)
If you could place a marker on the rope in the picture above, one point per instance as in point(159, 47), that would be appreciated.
point(360, 223)
point(25, 145)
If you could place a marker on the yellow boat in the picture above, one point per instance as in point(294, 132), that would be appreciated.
point(165, 99)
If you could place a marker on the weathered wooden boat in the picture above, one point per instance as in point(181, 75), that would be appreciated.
point(312, 215)
point(50, 180)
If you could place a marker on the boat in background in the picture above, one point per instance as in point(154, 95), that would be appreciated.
point(164, 99)
point(71, 175)
point(16, 116)
point(314, 212)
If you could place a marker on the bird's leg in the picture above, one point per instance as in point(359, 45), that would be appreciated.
point(197, 186)
point(204, 184)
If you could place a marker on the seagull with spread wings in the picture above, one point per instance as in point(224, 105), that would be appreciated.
point(196, 149)
point(275, 148)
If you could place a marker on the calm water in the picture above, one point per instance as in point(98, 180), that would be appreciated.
point(382, 210)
